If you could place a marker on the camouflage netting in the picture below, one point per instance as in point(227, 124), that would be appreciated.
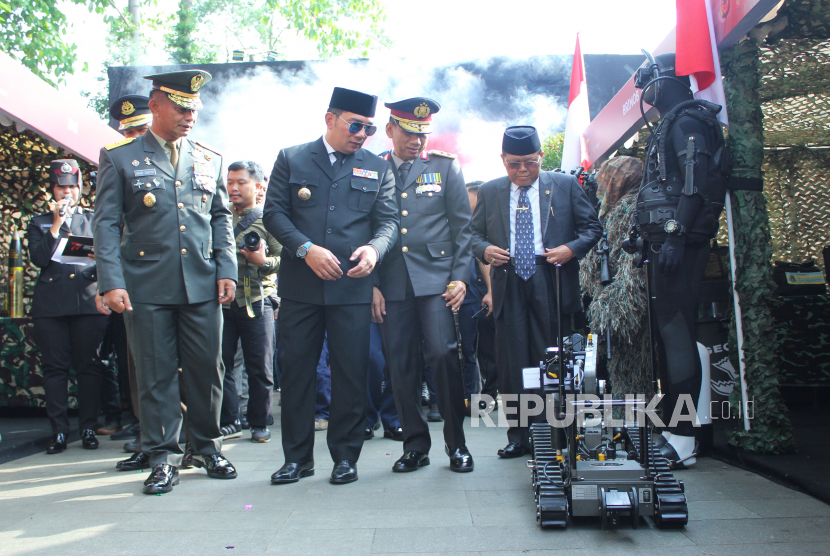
point(24, 185)
point(24, 162)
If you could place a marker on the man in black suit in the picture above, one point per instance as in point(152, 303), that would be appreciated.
point(523, 225)
point(331, 204)
point(413, 300)
point(69, 329)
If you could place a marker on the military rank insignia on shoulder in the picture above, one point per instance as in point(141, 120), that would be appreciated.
point(120, 143)
point(208, 147)
point(442, 153)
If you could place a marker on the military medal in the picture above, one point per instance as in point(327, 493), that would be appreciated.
point(304, 194)
point(157, 182)
point(149, 200)
point(134, 163)
point(147, 161)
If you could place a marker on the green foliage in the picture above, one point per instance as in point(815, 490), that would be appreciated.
point(33, 31)
point(770, 432)
point(552, 147)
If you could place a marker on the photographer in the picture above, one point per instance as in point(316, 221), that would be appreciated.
point(250, 317)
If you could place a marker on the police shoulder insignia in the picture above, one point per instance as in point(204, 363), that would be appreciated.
point(442, 153)
point(120, 143)
point(208, 147)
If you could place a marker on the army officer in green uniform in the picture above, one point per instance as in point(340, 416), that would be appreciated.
point(169, 272)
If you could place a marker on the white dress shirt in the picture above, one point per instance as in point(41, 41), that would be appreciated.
point(533, 198)
point(330, 150)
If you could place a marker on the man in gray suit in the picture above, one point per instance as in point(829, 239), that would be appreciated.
point(413, 300)
point(523, 225)
point(331, 204)
point(169, 272)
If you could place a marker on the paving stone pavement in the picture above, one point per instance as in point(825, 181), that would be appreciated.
point(77, 503)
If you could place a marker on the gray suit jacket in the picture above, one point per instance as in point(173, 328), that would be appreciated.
point(348, 207)
point(61, 289)
point(567, 219)
point(176, 244)
point(437, 232)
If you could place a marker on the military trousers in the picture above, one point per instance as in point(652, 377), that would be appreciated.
point(404, 324)
point(302, 329)
point(71, 341)
point(526, 328)
point(162, 338)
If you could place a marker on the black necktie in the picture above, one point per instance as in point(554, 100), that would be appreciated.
point(403, 170)
point(339, 158)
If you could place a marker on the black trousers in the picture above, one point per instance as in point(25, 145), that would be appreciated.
point(402, 328)
point(467, 327)
point(71, 342)
point(302, 329)
point(525, 329)
point(486, 354)
point(258, 343)
point(160, 336)
point(675, 309)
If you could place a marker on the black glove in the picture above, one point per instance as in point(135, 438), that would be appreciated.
point(671, 254)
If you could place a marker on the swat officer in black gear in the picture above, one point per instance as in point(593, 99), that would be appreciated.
point(678, 206)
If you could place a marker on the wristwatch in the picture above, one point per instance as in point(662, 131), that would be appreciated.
point(673, 227)
point(302, 250)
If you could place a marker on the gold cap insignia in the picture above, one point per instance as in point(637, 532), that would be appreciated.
point(421, 111)
point(304, 194)
point(149, 200)
point(196, 82)
point(127, 108)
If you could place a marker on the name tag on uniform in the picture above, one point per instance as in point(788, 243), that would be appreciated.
point(45, 225)
point(145, 172)
point(361, 173)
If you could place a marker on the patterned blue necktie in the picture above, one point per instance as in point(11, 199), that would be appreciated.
point(525, 250)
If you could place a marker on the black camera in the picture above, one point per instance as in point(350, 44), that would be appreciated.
point(250, 241)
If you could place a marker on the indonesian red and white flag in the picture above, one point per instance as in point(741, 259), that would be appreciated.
point(697, 52)
point(579, 116)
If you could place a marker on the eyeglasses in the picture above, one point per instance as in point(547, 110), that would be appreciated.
point(354, 127)
point(529, 164)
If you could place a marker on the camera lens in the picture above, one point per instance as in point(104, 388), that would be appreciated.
point(251, 241)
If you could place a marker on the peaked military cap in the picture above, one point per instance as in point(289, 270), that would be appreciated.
point(182, 87)
point(131, 111)
point(354, 101)
point(414, 114)
point(521, 140)
point(65, 172)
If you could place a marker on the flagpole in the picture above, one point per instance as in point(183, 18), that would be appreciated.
point(738, 317)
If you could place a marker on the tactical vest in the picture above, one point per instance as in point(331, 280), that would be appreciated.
point(662, 184)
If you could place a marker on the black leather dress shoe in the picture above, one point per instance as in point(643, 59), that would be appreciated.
point(345, 471)
point(130, 432)
point(369, 433)
point(187, 458)
point(133, 446)
point(216, 465)
point(394, 434)
point(411, 461)
point(57, 444)
point(461, 461)
point(513, 450)
point(88, 440)
point(162, 479)
point(136, 462)
point(292, 472)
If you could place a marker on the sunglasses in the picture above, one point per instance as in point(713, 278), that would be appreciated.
point(355, 127)
point(529, 164)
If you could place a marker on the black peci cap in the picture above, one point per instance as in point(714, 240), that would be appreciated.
point(131, 111)
point(414, 114)
point(182, 87)
point(65, 172)
point(354, 101)
point(521, 140)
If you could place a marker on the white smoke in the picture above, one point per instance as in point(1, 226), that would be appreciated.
point(253, 113)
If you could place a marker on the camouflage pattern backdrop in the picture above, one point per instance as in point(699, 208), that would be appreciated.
point(24, 162)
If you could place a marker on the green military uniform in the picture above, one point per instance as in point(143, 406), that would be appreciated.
point(176, 244)
point(266, 275)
